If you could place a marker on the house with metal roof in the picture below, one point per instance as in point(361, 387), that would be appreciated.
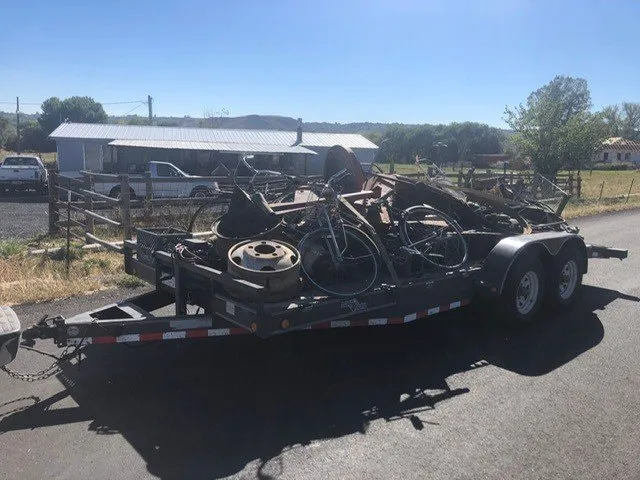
point(618, 149)
point(128, 148)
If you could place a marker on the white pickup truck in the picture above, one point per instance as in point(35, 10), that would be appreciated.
point(177, 184)
point(23, 172)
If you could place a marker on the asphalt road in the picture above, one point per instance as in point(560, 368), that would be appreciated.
point(449, 398)
point(24, 216)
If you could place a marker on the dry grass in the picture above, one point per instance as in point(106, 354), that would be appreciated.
point(585, 208)
point(616, 184)
point(30, 279)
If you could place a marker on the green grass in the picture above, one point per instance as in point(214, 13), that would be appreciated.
point(616, 183)
point(127, 281)
point(10, 248)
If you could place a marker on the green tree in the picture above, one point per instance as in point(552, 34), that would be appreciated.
point(72, 109)
point(6, 131)
point(556, 128)
point(623, 120)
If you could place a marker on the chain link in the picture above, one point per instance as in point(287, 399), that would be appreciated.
point(47, 372)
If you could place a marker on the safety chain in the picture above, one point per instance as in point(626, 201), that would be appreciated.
point(47, 372)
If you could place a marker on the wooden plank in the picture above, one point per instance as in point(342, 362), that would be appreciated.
point(99, 196)
point(190, 201)
point(100, 218)
point(71, 232)
point(109, 246)
point(69, 180)
point(101, 177)
point(74, 223)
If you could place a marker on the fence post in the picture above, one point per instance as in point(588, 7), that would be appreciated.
point(88, 203)
point(148, 195)
point(125, 206)
point(460, 177)
point(601, 189)
point(54, 215)
point(579, 186)
point(570, 184)
point(630, 187)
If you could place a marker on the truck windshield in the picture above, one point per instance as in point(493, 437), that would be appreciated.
point(20, 162)
point(164, 170)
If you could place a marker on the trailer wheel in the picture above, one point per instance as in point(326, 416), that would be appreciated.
point(565, 277)
point(524, 290)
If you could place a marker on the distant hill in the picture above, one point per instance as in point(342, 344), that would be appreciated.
point(253, 122)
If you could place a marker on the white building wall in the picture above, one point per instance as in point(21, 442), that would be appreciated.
point(612, 156)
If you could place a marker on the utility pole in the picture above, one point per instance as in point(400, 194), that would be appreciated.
point(18, 124)
point(150, 105)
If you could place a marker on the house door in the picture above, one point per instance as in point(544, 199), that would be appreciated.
point(93, 157)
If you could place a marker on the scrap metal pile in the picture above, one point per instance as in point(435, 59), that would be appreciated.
point(350, 233)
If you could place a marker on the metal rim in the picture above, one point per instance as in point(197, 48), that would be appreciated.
point(527, 292)
point(568, 279)
point(200, 194)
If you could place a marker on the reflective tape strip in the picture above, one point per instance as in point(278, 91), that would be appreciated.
point(377, 321)
point(222, 332)
point(128, 338)
point(410, 318)
point(155, 336)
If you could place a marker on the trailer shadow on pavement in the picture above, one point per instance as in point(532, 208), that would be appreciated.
point(206, 409)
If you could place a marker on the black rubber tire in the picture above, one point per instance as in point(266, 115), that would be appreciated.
point(115, 193)
point(553, 297)
point(528, 263)
point(199, 190)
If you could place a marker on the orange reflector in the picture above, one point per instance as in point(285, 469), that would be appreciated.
point(285, 324)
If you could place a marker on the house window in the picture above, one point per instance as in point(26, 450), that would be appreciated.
point(605, 157)
point(627, 156)
point(619, 156)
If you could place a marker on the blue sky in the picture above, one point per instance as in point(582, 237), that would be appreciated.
point(408, 61)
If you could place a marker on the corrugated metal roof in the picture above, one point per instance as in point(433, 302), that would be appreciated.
point(260, 137)
point(621, 144)
point(219, 146)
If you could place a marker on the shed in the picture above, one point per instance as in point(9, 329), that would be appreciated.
point(128, 148)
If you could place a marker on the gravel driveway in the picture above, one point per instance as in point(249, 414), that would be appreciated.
point(24, 216)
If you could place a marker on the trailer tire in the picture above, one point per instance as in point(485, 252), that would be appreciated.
point(524, 290)
point(564, 275)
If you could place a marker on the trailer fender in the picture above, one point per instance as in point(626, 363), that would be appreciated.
point(491, 281)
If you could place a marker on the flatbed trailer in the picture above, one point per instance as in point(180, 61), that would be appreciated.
point(192, 301)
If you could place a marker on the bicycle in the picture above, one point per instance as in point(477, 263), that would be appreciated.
point(424, 232)
point(337, 258)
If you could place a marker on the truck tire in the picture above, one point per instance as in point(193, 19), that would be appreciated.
point(564, 277)
point(115, 193)
point(200, 192)
point(524, 290)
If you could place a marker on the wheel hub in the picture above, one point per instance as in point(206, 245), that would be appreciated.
point(568, 279)
point(527, 292)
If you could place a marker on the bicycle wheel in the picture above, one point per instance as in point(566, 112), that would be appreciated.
point(434, 236)
point(347, 271)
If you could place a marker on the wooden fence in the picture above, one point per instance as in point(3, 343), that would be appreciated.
point(74, 204)
point(570, 183)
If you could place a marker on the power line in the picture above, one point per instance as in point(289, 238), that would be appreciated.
point(124, 103)
point(135, 108)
